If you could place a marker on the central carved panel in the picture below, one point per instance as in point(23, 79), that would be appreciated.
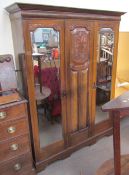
point(79, 77)
point(79, 53)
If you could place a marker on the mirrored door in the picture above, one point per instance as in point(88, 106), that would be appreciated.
point(46, 45)
point(46, 63)
point(104, 71)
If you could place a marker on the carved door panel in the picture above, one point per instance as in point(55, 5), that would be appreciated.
point(79, 52)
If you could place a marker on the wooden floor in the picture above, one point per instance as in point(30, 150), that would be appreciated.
point(108, 167)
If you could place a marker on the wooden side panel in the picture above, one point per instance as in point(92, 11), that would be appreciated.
point(83, 100)
point(74, 102)
point(78, 100)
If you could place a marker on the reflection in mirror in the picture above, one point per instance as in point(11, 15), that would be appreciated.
point(46, 64)
point(104, 71)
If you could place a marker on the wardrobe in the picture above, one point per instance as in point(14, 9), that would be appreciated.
point(82, 45)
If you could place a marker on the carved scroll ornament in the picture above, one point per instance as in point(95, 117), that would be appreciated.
point(79, 53)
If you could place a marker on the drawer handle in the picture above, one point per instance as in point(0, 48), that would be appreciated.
point(2, 115)
point(11, 129)
point(17, 167)
point(14, 147)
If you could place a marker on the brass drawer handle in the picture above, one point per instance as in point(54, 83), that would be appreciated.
point(2, 115)
point(14, 147)
point(11, 129)
point(17, 167)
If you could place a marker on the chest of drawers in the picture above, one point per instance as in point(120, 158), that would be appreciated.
point(15, 150)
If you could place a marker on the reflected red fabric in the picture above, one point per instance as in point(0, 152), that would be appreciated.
point(50, 80)
point(56, 110)
point(36, 71)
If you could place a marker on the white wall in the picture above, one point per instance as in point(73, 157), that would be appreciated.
point(6, 44)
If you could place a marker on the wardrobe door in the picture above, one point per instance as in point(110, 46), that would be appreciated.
point(105, 59)
point(79, 54)
point(44, 68)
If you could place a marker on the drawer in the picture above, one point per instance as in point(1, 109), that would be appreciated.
point(12, 129)
point(14, 147)
point(19, 166)
point(12, 112)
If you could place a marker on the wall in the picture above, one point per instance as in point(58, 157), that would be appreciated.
point(122, 63)
point(123, 56)
point(6, 45)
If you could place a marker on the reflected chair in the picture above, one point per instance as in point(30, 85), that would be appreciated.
point(50, 79)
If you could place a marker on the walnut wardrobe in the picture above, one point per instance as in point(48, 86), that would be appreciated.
point(68, 61)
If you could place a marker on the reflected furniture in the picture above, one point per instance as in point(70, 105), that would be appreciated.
point(45, 92)
point(50, 90)
point(41, 97)
point(50, 78)
point(116, 107)
point(38, 56)
point(15, 146)
point(104, 65)
point(78, 33)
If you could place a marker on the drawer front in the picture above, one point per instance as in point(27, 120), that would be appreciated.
point(12, 112)
point(12, 129)
point(14, 147)
point(18, 166)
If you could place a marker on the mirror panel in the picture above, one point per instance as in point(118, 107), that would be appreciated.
point(46, 64)
point(104, 71)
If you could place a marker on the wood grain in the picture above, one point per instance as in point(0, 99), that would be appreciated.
point(83, 100)
point(74, 101)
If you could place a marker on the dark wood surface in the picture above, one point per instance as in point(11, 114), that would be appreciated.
point(78, 72)
point(114, 107)
point(15, 140)
point(6, 149)
point(28, 7)
point(21, 126)
point(120, 103)
point(116, 142)
point(13, 112)
point(9, 96)
point(24, 161)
